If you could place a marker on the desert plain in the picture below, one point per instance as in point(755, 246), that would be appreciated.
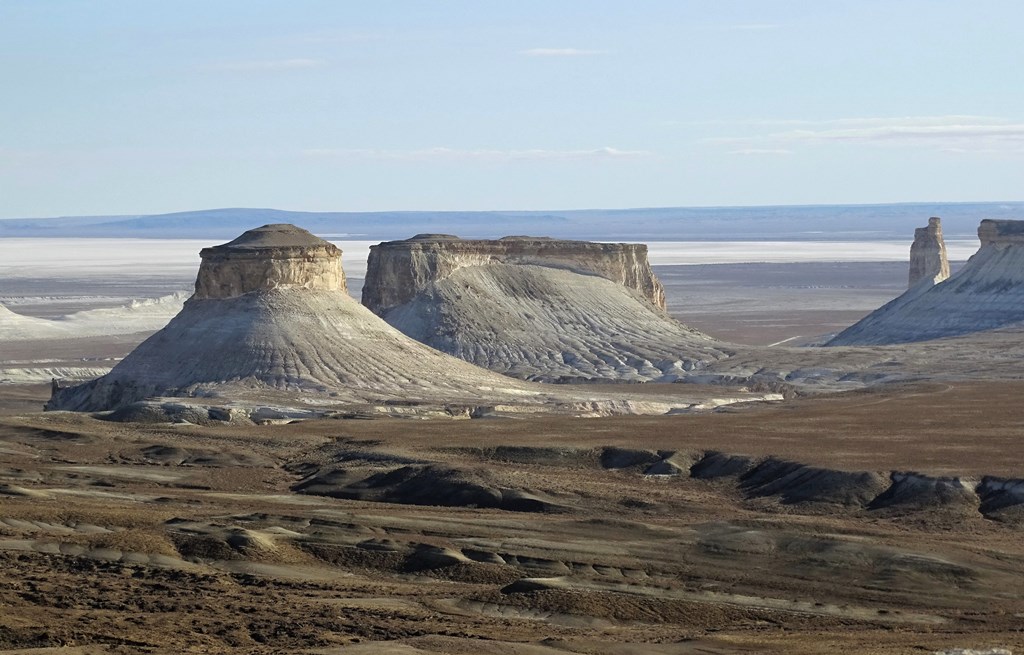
point(823, 522)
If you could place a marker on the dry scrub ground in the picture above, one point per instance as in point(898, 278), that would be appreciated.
point(539, 536)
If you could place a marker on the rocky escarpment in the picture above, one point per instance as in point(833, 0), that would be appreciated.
point(928, 260)
point(536, 309)
point(398, 270)
point(278, 256)
point(271, 334)
point(271, 314)
point(987, 293)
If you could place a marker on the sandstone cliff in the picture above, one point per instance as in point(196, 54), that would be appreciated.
point(537, 309)
point(928, 260)
point(398, 270)
point(987, 293)
point(278, 256)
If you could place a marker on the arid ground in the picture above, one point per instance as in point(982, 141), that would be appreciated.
point(553, 535)
point(834, 523)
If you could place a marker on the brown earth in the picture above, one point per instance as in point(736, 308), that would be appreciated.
point(321, 536)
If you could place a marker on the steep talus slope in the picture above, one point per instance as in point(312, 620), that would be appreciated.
point(540, 323)
point(987, 293)
point(568, 311)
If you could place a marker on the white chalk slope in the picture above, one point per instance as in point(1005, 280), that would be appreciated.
point(138, 316)
point(987, 293)
point(548, 324)
point(320, 342)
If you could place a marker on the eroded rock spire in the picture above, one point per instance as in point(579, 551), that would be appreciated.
point(928, 259)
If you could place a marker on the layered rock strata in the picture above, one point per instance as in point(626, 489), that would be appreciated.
point(271, 314)
point(278, 256)
point(398, 270)
point(537, 309)
point(987, 293)
point(928, 260)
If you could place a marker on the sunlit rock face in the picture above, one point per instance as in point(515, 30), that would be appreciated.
point(928, 259)
point(271, 319)
point(398, 270)
point(534, 308)
point(279, 256)
point(987, 293)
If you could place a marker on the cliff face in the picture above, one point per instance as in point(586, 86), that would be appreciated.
point(928, 260)
point(538, 309)
point(399, 270)
point(987, 293)
point(271, 316)
point(276, 256)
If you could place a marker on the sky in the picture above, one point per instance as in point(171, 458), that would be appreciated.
point(127, 107)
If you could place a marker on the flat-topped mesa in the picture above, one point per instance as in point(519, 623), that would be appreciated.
point(278, 256)
point(271, 322)
point(985, 294)
point(1001, 233)
point(398, 270)
point(928, 260)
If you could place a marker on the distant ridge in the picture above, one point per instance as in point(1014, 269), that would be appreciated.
point(803, 222)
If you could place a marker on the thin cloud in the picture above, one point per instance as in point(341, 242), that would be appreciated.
point(561, 52)
point(752, 27)
point(911, 132)
point(333, 36)
point(456, 154)
point(761, 151)
point(950, 119)
point(269, 65)
point(948, 133)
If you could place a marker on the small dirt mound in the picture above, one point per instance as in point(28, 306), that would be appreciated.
point(1002, 499)
point(548, 456)
point(913, 491)
point(797, 483)
point(720, 465)
point(427, 485)
point(623, 458)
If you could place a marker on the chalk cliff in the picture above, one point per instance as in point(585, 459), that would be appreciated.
point(279, 256)
point(928, 260)
point(271, 314)
point(987, 293)
point(538, 309)
point(398, 270)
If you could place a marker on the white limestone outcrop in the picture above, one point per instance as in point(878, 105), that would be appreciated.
point(987, 293)
point(398, 270)
point(271, 314)
point(278, 256)
point(928, 260)
point(537, 309)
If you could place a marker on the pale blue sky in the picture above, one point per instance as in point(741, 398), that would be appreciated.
point(123, 107)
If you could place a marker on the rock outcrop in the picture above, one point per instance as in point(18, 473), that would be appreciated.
point(18, 327)
point(398, 270)
point(146, 315)
point(928, 259)
point(272, 335)
point(987, 293)
point(271, 314)
point(278, 256)
point(537, 309)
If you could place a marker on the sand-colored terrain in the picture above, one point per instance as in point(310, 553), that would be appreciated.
point(615, 535)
